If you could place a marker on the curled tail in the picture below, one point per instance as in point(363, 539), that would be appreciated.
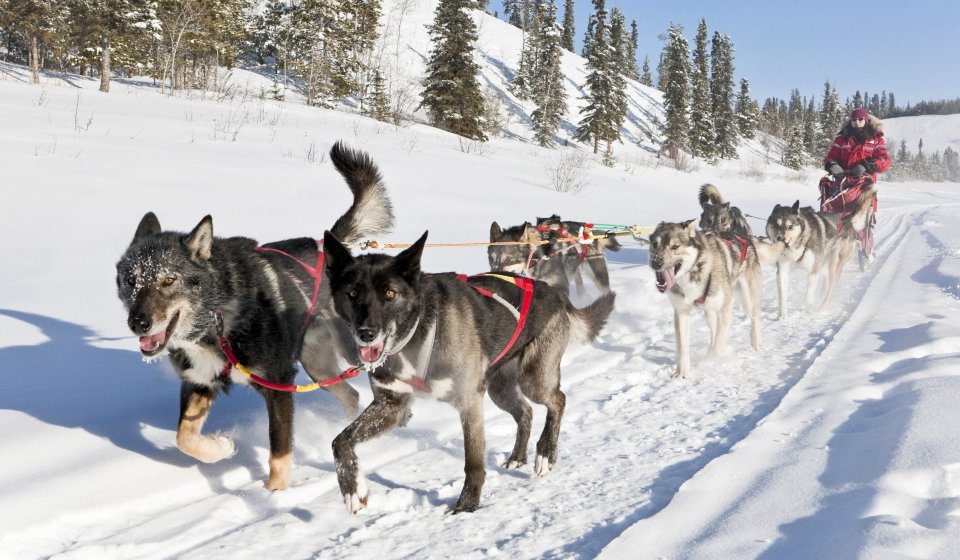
point(586, 323)
point(371, 212)
point(709, 194)
point(863, 208)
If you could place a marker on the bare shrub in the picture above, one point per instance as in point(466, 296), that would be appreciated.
point(474, 147)
point(567, 171)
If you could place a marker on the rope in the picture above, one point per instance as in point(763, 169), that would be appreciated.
point(634, 231)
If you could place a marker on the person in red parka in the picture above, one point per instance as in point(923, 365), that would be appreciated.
point(858, 152)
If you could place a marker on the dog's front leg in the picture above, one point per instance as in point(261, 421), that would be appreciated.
point(681, 330)
point(783, 279)
point(387, 411)
point(280, 422)
point(474, 445)
point(195, 403)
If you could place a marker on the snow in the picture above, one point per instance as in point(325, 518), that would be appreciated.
point(838, 439)
point(938, 133)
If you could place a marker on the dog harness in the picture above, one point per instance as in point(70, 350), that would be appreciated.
point(315, 272)
point(526, 285)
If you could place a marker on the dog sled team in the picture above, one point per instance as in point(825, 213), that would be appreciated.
point(231, 311)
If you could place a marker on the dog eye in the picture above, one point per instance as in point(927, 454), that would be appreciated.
point(169, 280)
point(131, 280)
point(353, 294)
point(390, 294)
point(675, 246)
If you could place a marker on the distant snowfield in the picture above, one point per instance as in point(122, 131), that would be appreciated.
point(837, 440)
point(938, 133)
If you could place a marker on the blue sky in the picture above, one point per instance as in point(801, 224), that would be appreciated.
point(910, 49)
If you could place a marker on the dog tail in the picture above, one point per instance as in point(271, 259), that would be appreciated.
point(371, 212)
point(768, 250)
point(857, 220)
point(610, 244)
point(709, 194)
point(586, 323)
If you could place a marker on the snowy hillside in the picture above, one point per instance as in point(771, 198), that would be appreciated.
point(938, 132)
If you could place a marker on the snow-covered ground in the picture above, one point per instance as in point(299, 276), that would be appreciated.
point(837, 440)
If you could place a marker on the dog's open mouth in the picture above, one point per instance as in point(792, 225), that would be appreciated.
point(153, 344)
point(667, 277)
point(371, 353)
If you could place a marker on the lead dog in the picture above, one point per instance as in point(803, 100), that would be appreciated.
point(696, 268)
point(437, 334)
point(269, 303)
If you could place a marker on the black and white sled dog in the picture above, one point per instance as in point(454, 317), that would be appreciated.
point(718, 215)
point(819, 243)
point(183, 292)
point(550, 255)
point(702, 268)
point(439, 335)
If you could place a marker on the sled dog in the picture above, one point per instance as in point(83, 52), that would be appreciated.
point(183, 292)
point(819, 243)
point(696, 268)
point(719, 216)
point(439, 335)
point(575, 254)
point(548, 257)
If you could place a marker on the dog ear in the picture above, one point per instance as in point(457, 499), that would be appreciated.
point(149, 225)
point(690, 227)
point(796, 207)
point(200, 240)
point(777, 207)
point(336, 256)
point(407, 263)
point(726, 205)
point(495, 231)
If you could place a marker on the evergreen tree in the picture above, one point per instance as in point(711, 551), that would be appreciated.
point(588, 36)
point(831, 116)
point(891, 105)
point(547, 88)
point(675, 76)
point(569, 32)
point(661, 68)
point(747, 111)
point(633, 72)
point(451, 93)
point(645, 77)
point(811, 136)
point(857, 101)
point(794, 152)
point(378, 105)
point(529, 58)
point(703, 135)
point(619, 42)
point(513, 11)
point(721, 91)
point(606, 89)
point(38, 22)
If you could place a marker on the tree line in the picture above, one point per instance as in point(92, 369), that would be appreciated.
point(326, 49)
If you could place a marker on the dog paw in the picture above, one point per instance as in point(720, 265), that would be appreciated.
point(679, 374)
point(354, 503)
point(542, 466)
point(514, 464)
point(209, 449)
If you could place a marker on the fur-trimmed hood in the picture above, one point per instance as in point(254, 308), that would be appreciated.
point(874, 127)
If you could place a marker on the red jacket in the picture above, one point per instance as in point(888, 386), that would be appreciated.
point(848, 152)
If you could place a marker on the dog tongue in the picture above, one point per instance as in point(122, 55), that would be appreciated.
point(152, 342)
point(666, 276)
point(371, 353)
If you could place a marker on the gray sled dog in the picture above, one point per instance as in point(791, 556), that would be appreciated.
point(718, 215)
point(575, 254)
point(697, 268)
point(819, 243)
point(186, 293)
point(438, 335)
point(548, 258)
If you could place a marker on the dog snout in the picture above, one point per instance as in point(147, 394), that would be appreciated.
point(139, 323)
point(366, 334)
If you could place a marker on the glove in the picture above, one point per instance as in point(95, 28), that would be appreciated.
point(834, 169)
point(858, 170)
point(870, 164)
